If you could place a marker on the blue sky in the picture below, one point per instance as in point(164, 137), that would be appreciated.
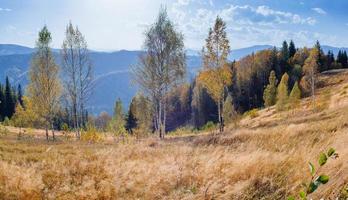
point(120, 24)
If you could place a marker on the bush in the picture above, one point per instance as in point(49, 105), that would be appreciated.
point(6, 122)
point(252, 113)
point(91, 134)
point(209, 126)
point(4, 130)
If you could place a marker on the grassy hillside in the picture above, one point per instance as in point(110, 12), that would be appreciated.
point(265, 157)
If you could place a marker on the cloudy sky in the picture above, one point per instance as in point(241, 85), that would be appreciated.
point(120, 24)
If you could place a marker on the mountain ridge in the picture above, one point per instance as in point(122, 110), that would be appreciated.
point(112, 70)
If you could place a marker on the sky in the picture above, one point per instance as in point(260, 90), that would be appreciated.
point(120, 24)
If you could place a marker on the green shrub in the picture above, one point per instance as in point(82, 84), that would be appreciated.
point(6, 122)
point(317, 178)
point(252, 113)
point(208, 126)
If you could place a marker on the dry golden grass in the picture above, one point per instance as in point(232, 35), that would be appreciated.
point(265, 158)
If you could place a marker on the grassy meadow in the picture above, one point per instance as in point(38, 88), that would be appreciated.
point(264, 157)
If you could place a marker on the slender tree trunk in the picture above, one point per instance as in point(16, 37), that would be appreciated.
point(219, 115)
point(222, 117)
point(47, 133)
point(53, 135)
point(164, 120)
point(313, 88)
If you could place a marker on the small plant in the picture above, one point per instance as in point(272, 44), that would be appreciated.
point(3, 130)
point(252, 113)
point(91, 134)
point(208, 126)
point(6, 122)
point(316, 179)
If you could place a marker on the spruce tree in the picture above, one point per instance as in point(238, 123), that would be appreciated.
point(20, 95)
point(295, 96)
point(270, 93)
point(2, 103)
point(284, 57)
point(344, 60)
point(283, 93)
point(131, 122)
point(9, 100)
point(320, 59)
point(292, 49)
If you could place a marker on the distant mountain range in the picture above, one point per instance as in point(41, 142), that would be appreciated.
point(112, 70)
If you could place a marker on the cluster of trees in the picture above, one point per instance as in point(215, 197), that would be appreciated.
point(57, 93)
point(9, 97)
point(222, 89)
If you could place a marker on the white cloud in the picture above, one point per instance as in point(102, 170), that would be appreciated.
point(5, 9)
point(246, 24)
point(319, 11)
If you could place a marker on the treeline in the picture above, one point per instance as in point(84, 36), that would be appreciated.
point(9, 97)
point(224, 89)
point(57, 94)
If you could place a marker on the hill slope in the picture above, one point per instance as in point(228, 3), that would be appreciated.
point(265, 157)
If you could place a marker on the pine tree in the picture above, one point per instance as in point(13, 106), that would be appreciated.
point(284, 57)
point(295, 96)
point(2, 103)
point(344, 60)
point(275, 63)
point(9, 100)
point(330, 59)
point(283, 93)
point(131, 122)
point(320, 59)
point(20, 95)
point(270, 93)
point(292, 49)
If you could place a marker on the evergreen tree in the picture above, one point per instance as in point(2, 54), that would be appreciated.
point(284, 57)
point(274, 62)
point(283, 93)
point(344, 60)
point(292, 49)
point(330, 59)
point(9, 100)
point(295, 96)
point(270, 93)
point(131, 122)
point(20, 95)
point(2, 103)
point(320, 60)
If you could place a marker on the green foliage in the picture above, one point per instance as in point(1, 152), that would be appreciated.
point(6, 121)
point(229, 113)
point(322, 159)
point(295, 96)
point(270, 93)
point(209, 126)
point(117, 124)
point(316, 180)
point(283, 93)
point(252, 113)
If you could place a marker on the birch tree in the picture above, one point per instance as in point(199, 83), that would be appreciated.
point(161, 67)
point(44, 84)
point(77, 74)
point(217, 75)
